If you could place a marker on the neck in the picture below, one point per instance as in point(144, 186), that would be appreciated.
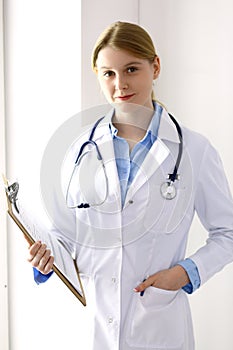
point(133, 116)
point(132, 122)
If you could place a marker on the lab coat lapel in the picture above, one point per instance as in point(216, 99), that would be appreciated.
point(157, 154)
point(167, 129)
point(155, 157)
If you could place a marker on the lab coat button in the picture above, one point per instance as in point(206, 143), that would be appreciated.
point(110, 320)
point(114, 279)
point(130, 201)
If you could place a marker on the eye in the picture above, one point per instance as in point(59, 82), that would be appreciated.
point(108, 74)
point(132, 69)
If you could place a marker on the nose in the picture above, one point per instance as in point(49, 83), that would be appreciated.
point(120, 82)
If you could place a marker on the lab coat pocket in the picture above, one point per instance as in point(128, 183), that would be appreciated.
point(157, 320)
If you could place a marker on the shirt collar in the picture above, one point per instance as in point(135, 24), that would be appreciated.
point(167, 129)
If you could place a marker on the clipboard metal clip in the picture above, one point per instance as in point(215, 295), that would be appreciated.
point(12, 193)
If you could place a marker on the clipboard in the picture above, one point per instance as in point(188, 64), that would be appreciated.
point(65, 265)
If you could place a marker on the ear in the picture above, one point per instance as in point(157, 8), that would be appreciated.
point(156, 65)
point(95, 70)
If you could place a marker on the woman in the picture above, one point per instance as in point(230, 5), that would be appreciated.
point(132, 246)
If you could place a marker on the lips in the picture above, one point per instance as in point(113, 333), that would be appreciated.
point(125, 98)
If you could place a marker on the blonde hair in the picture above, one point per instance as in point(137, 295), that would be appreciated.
point(126, 36)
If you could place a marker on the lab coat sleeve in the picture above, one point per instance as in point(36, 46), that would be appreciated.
point(214, 206)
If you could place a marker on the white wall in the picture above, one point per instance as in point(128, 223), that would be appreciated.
point(42, 56)
point(42, 69)
point(3, 235)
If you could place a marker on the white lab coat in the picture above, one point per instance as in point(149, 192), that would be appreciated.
point(117, 248)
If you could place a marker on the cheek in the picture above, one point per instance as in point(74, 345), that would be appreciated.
point(105, 86)
point(146, 86)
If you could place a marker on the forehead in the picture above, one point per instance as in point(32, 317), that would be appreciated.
point(116, 58)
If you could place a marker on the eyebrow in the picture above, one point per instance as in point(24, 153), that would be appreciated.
point(127, 65)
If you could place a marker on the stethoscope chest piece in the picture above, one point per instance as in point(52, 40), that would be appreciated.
point(168, 190)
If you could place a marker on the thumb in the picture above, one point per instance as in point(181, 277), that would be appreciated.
point(147, 282)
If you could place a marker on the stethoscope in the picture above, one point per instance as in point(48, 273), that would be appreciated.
point(167, 189)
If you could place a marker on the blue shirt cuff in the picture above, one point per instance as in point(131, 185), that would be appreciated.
point(39, 277)
point(192, 271)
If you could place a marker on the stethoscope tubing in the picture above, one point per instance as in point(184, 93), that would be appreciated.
point(173, 176)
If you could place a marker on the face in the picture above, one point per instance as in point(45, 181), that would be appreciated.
point(125, 78)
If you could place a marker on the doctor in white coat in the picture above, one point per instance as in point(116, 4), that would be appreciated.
point(130, 240)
